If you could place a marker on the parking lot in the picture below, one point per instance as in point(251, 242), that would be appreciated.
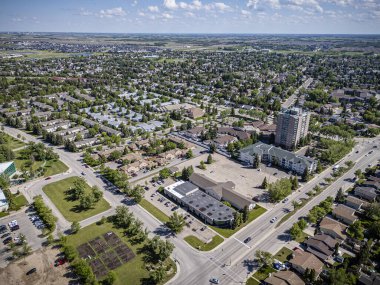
point(247, 180)
point(26, 227)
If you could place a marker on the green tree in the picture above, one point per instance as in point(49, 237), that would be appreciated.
point(209, 159)
point(279, 189)
point(87, 201)
point(123, 218)
point(110, 278)
point(294, 181)
point(264, 184)
point(159, 250)
point(340, 198)
point(157, 275)
point(202, 165)
point(164, 173)
point(98, 194)
point(264, 258)
point(75, 227)
point(295, 231)
point(238, 220)
point(189, 154)
point(176, 223)
point(245, 214)
point(256, 162)
point(356, 230)
point(306, 175)
point(70, 252)
point(373, 211)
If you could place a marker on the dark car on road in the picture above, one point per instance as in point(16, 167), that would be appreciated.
point(247, 240)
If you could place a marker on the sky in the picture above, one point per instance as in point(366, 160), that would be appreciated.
point(192, 16)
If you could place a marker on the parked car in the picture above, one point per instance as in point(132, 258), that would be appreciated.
point(7, 240)
point(3, 229)
point(31, 271)
point(60, 261)
point(5, 235)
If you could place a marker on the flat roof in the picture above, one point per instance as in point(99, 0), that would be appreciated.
point(209, 206)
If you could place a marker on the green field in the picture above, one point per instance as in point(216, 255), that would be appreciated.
point(200, 245)
point(130, 273)
point(13, 143)
point(19, 202)
point(52, 166)
point(283, 254)
point(255, 213)
point(58, 194)
point(154, 211)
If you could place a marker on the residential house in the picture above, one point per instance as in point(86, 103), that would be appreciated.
point(303, 260)
point(195, 132)
point(372, 279)
point(332, 228)
point(223, 141)
point(345, 214)
point(284, 278)
point(322, 246)
point(86, 142)
point(367, 193)
point(355, 202)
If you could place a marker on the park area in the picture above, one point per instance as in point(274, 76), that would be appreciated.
point(110, 249)
point(51, 167)
point(60, 193)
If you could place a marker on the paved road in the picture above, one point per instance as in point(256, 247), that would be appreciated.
point(292, 99)
point(226, 261)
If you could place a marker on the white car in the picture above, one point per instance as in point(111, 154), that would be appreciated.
point(214, 280)
point(273, 220)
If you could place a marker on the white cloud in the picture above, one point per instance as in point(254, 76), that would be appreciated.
point(110, 13)
point(153, 8)
point(196, 5)
point(170, 4)
point(221, 6)
point(167, 16)
point(245, 13)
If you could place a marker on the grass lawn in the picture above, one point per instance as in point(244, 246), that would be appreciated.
point(255, 213)
point(154, 211)
point(57, 193)
point(3, 214)
point(52, 166)
point(13, 143)
point(252, 281)
point(263, 273)
point(283, 254)
point(200, 245)
point(19, 202)
point(130, 273)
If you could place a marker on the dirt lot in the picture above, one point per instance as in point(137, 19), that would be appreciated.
point(43, 261)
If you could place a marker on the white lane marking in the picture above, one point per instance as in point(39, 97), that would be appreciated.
point(242, 242)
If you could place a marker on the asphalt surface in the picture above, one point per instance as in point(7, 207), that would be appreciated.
point(226, 262)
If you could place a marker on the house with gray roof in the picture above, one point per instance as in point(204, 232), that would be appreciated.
point(278, 156)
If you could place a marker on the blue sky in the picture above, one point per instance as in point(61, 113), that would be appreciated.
point(192, 16)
